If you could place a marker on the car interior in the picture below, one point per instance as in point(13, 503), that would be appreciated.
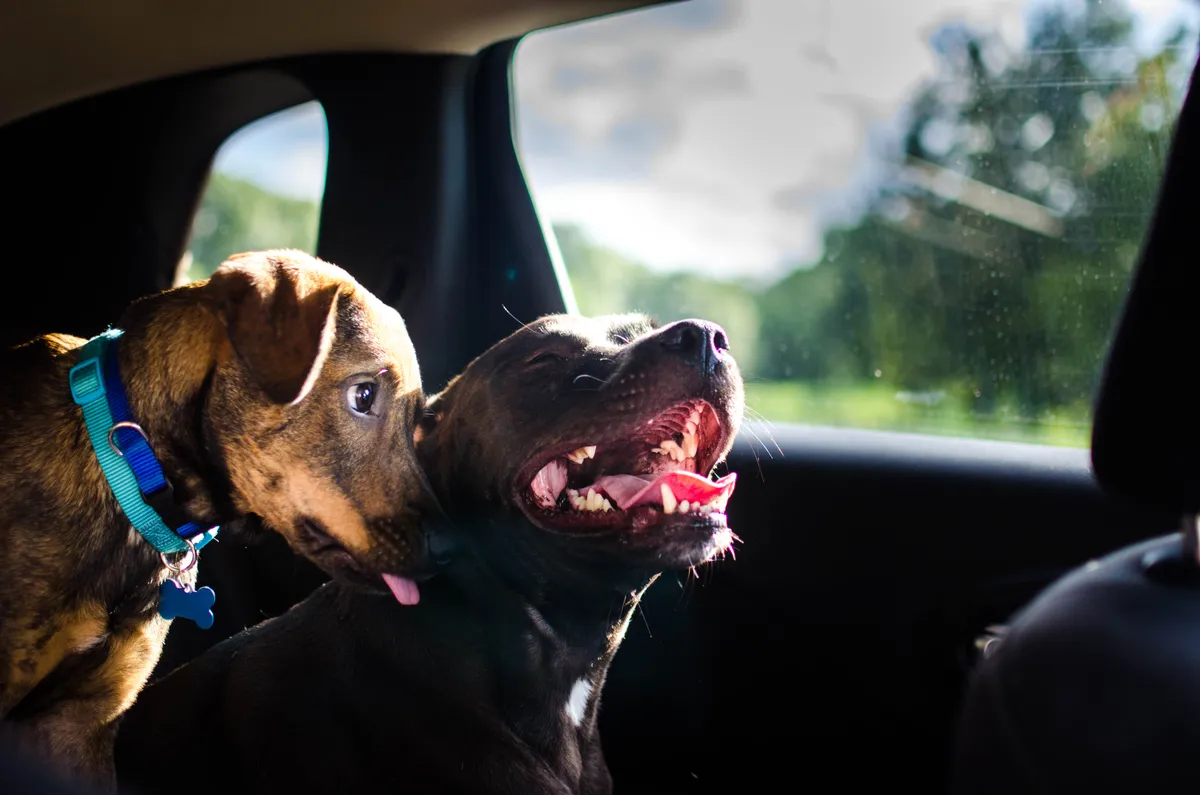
point(876, 565)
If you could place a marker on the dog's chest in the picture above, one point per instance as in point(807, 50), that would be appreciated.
point(580, 698)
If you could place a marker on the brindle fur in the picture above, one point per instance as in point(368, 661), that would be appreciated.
point(240, 383)
point(349, 692)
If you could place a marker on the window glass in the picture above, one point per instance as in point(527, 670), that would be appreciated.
point(916, 216)
point(264, 191)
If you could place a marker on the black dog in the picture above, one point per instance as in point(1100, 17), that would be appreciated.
point(566, 457)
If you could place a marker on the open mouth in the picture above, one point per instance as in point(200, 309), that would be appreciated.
point(657, 472)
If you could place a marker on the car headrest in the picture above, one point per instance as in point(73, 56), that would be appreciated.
point(1146, 432)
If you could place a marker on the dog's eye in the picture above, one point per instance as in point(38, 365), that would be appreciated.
point(542, 358)
point(361, 397)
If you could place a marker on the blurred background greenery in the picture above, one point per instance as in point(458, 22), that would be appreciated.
point(976, 294)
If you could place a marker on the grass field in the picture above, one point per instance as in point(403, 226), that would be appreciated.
point(880, 407)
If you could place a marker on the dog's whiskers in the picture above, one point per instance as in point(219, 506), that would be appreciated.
point(514, 317)
point(769, 426)
point(597, 379)
point(757, 460)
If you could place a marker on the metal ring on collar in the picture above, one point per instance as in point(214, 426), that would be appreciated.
point(118, 426)
point(190, 555)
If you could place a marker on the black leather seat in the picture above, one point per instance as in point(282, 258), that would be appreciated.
point(1096, 686)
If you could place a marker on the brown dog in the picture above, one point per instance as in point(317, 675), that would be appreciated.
point(279, 388)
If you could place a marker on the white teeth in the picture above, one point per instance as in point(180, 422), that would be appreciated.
point(583, 452)
point(684, 506)
point(668, 499)
point(690, 444)
point(594, 502)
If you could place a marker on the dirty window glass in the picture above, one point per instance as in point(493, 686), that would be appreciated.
point(916, 216)
point(264, 191)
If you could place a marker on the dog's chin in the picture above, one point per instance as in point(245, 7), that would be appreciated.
point(316, 543)
point(646, 492)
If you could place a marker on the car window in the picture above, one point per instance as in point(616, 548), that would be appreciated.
point(917, 216)
point(264, 191)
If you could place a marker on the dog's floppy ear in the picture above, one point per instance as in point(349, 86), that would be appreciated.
point(280, 317)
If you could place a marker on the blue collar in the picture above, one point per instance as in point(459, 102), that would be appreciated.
point(130, 466)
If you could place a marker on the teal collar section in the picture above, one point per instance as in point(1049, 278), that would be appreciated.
point(90, 392)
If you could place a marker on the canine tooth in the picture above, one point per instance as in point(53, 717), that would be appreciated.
point(583, 452)
point(690, 445)
point(668, 499)
point(684, 506)
point(605, 504)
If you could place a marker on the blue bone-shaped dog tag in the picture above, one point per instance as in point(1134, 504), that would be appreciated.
point(180, 601)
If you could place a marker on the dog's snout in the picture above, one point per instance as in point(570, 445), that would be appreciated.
point(697, 341)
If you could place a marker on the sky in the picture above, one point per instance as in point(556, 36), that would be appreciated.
point(718, 136)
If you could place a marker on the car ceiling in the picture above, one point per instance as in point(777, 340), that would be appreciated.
point(55, 52)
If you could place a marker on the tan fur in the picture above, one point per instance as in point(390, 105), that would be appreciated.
point(41, 648)
point(240, 383)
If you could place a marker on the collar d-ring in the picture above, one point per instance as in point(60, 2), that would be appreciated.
point(118, 426)
point(187, 560)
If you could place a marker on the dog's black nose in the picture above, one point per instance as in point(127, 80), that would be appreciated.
point(697, 341)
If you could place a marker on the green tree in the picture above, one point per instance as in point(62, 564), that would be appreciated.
point(236, 216)
point(943, 283)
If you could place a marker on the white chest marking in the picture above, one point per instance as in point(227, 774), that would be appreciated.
point(578, 701)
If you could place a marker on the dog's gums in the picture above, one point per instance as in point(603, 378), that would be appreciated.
point(657, 468)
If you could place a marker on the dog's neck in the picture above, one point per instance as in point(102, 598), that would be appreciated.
point(168, 355)
point(548, 629)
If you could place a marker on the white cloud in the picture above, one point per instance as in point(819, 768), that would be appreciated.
point(770, 97)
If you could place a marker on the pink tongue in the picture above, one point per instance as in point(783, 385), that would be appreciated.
point(404, 589)
point(630, 490)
